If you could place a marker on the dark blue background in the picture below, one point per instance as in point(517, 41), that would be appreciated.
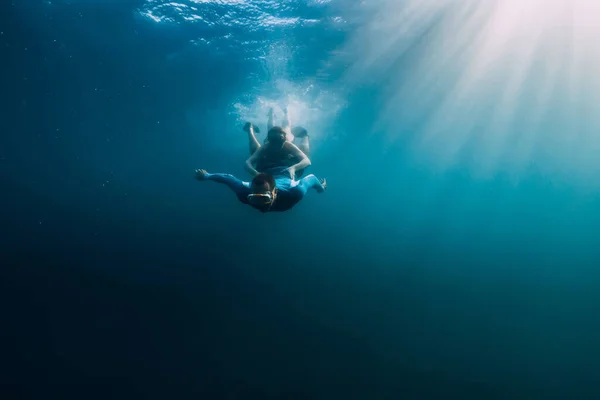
point(122, 277)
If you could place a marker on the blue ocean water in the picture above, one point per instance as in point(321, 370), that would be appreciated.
point(454, 254)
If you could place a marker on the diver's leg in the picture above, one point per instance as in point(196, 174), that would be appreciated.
point(285, 122)
point(287, 126)
point(253, 143)
point(270, 119)
point(303, 144)
point(301, 139)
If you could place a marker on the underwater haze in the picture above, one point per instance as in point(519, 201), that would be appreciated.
point(454, 255)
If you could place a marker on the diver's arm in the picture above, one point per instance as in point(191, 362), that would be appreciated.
point(311, 181)
point(253, 159)
point(298, 154)
point(233, 183)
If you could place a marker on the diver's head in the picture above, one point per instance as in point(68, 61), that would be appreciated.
point(263, 192)
point(276, 135)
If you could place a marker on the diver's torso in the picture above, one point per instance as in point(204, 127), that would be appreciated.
point(273, 158)
point(277, 158)
point(288, 193)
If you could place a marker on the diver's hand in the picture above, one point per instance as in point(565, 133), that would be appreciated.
point(323, 185)
point(292, 171)
point(201, 174)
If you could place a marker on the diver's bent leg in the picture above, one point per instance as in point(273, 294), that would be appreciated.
point(303, 144)
point(253, 146)
point(270, 119)
point(285, 122)
point(253, 143)
point(287, 126)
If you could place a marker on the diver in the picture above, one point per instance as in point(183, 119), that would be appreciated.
point(273, 190)
point(280, 147)
point(278, 162)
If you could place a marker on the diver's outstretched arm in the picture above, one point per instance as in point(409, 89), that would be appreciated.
point(237, 186)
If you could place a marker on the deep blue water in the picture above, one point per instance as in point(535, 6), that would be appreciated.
point(123, 277)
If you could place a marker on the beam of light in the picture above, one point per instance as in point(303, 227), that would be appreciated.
point(496, 85)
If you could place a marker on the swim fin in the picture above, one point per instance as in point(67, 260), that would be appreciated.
point(247, 125)
point(299, 132)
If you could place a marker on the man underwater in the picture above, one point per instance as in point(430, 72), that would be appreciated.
point(274, 187)
point(274, 190)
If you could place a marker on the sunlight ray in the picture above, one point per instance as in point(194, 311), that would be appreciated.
point(499, 85)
